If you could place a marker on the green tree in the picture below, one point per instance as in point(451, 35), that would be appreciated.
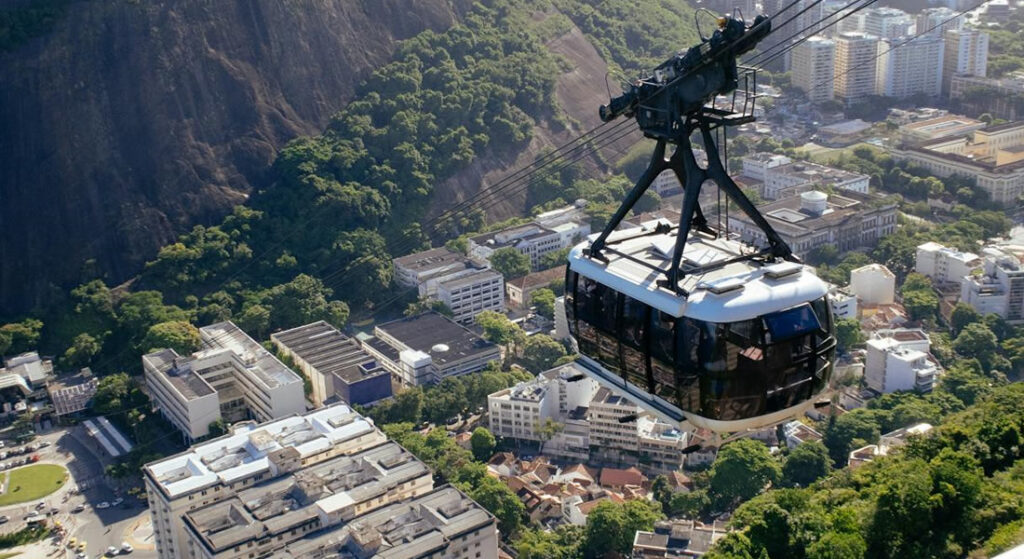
point(482, 442)
point(921, 305)
point(561, 543)
point(544, 300)
point(611, 527)
point(83, 348)
point(902, 516)
point(977, 341)
point(806, 464)
point(540, 352)
point(742, 469)
point(497, 498)
point(304, 299)
point(217, 428)
point(20, 337)
point(112, 394)
point(962, 315)
point(499, 329)
point(838, 545)
point(510, 263)
point(254, 320)
point(965, 381)
point(178, 335)
point(859, 425)
point(848, 333)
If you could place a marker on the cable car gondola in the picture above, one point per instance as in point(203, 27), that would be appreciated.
point(696, 326)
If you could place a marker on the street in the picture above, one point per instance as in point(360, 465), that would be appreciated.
point(100, 528)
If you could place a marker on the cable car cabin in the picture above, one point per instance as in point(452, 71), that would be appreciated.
point(748, 345)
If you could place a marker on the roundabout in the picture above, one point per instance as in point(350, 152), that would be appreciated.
point(32, 482)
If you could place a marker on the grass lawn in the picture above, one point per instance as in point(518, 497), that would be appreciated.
point(8, 555)
point(32, 482)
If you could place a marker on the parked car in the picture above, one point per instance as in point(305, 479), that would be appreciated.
point(4, 519)
point(126, 547)
point(116, 502)
point(54, 510)
point(31, 514)
point(111, 551)
point(78, 509)
point(40, 505)
point(103, 505)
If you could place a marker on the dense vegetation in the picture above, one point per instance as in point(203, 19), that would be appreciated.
point(28, 20)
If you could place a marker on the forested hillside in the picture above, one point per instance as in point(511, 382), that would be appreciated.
point(317, 241)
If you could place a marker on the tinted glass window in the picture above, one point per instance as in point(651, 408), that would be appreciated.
point(791, 323)
point(632, 337)
point(570, 298)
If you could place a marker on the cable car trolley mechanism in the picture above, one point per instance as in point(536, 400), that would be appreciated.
point(695, 326)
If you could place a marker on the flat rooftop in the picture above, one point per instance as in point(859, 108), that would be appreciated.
point(178, 372)
point(818, 174)
point(414, 528)
point(438, 336)
point(291, 500)
point(246, 451)
point(260, 362)
point(326, 349)
point(429, 260)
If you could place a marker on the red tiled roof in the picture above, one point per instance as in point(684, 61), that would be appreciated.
point(614, 477)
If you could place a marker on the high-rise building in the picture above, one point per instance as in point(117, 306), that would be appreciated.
point(887, 23)
point(906, 68)
point(1000, 288)
point(855, 63)
point(805, 23)
point(936, 21)
point(966, 54)
point(813, 67)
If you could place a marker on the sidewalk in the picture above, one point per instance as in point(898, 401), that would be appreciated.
point(140, 534)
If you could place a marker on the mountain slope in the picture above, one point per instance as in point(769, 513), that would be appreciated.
point(128, 122)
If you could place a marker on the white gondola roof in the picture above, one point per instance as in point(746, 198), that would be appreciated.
point(734, 292)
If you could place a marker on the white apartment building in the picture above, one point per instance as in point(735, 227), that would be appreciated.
point(945, 265)
point(994, 157)
point(887, 23)
point(466, 286)
point(873, 284)
point(232, 378)
point(844, 303)
point(906, 68)
point(218, 470)
point(783, 181)
point(898, 360)
point(855, 64)
point(807, 20)
point(589, 418)
point(813, 67)
point(965, 54)
point(1000, 287)
point(532, 239)
point(756, 165)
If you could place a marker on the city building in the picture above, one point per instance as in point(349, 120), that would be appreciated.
point(520, 290)
point(814, 219)
point(843, 133)
point(887, 23)
point(936, 21)
point(72, 393)
point(898, 360)
point(993, 157)
point(804, 18)
point(232, 378)
point(844, 303)
point(783, 181)
point(999, 288)
point(466, 286)
point(756, 165)
point(923, 131)
point(676, 539)
point(886, 443)
point(1001, 97)
point(796, 433)
point(561, 216)
point(336, 365)
point(873, 284)
point(221, 469)
point(855, 64)
point(965, 54)
point(532, 239)
point(945, 265)
point(587, 416)
point(428, 347)
point(909, 67)
point(813, 68)
point(33, 370)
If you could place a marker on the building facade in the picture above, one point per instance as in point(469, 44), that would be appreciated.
point(898, 360)
point(965, 53)
point(945, 265)
point(813, 67)
point(856, 55)
point(873, 284)
point(782, 181)
point(906, 68)
point(466, 286)
point(231, 379)
point(999, 289)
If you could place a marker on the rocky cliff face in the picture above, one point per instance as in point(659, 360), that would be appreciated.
point(130, 121)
